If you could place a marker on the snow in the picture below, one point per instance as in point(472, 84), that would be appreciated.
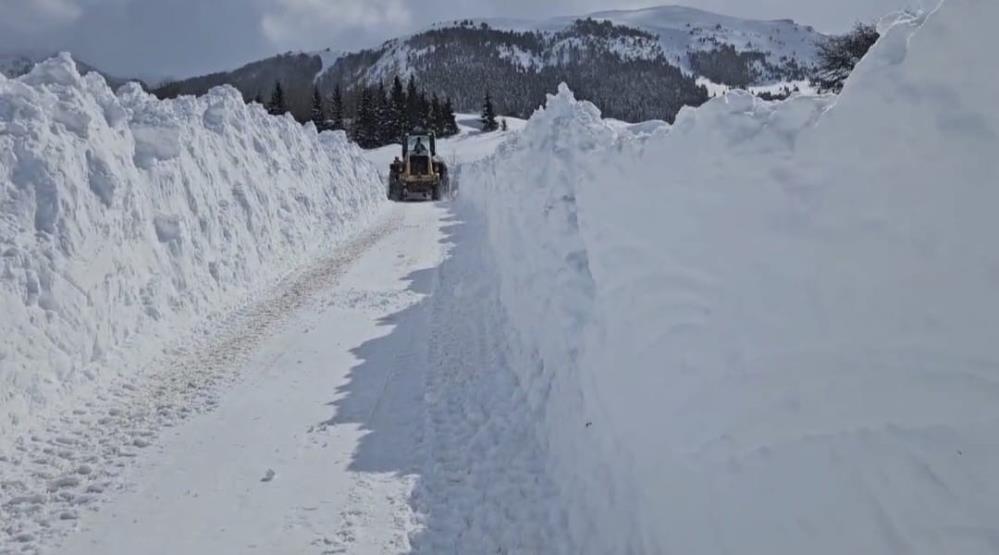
point(797, 87)
point(676, 31)
point(520, 57)
point(125, 221)
point(14, 65)
point(329, 58)
point(681, 30)
point(769, 328)
point(469, 145)
point(273, 467)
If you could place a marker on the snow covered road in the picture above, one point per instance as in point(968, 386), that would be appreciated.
point(272, 469)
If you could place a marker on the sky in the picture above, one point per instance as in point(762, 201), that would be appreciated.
point(181, 38)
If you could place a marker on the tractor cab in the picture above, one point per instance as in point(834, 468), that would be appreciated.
point(420, 144)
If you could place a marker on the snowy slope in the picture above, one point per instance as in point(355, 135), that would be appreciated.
point(676, 31)
point(19, 63)
point(125, 221)
point(15, 65)
point(682, 30)
point(329, 57)
point(770, 328)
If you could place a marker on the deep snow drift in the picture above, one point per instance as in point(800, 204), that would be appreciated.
point(770, 328)
point(125, 220)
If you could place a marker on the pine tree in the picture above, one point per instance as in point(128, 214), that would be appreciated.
point(337, 111)
point(839, 55)
point(488, 118)
point(413, 115)
point(434, 115)
point(383, 116)
point(360, 131)
point(318, 114)
point(397, 107)
point(366, 120)
point(259, 99)
point(423, 109)
point(450, 121)
point(277, 107)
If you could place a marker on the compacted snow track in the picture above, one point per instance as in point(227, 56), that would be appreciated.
point(372, 411)
point(272, 468)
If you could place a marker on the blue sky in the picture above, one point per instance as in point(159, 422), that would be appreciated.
point(185, 37)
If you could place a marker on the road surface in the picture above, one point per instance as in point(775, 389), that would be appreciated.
point(272, 469)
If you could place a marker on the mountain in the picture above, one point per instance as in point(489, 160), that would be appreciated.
point(780, 44)
point(297, 73)
point(635, 65)
point(17, 64)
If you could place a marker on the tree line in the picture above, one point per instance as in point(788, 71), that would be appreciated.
point(521, 68)
point(375, 115)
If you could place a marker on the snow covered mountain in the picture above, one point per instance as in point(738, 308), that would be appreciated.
point(635, 65)
point(683, 30)
point(17, 64)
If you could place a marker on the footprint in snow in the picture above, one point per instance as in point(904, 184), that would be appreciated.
point(268, 476)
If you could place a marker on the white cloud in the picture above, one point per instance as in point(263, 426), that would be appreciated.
point(301, 22)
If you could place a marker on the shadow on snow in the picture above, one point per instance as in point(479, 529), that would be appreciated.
point(438, 401)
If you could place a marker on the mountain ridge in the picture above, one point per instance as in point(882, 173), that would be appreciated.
point(654, 55)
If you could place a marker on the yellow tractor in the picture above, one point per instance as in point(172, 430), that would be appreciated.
point(420, 174)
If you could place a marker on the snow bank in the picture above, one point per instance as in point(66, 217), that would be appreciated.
point(125, 220)
point(770, 328)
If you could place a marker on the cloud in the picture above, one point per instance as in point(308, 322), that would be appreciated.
point(303, 23)
point(188, 37)
point(21, 21)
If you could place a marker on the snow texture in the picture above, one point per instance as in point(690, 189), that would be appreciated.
point(679, 31)
point(769, 328)
point(125, 221)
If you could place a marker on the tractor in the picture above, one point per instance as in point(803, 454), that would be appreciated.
point(420, 173)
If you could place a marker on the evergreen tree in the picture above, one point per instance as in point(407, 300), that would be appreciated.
point(318, 115)
point(366, 120)
point(259, 99)
point(504, 126)
point(839, 55)
point(424, 110)
point(383, 116)
point(277, 106)
point(413, 115)
point(436, 115)
point(450, 121)
point(397, 110)
point(488, 117)
point(337, 111)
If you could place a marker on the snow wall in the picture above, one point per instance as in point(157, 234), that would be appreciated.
point(125, 220)
point(771, 328)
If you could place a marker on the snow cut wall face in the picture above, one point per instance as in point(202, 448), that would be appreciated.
point(770, 328)
point(125, 220)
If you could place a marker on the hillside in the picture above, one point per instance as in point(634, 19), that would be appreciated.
point(18, 64)
point(635, 65)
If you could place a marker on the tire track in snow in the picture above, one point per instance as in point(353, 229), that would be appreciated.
point(69, 465)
